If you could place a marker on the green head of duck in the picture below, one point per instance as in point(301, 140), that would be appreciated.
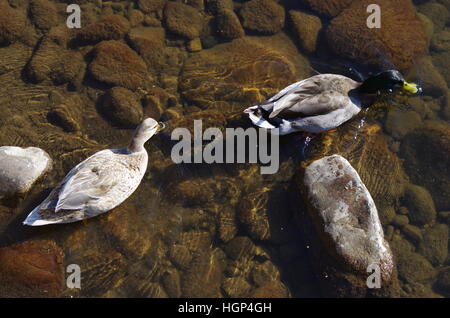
point(388, 81)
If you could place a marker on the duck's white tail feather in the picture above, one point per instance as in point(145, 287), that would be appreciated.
point(256, 117)
point(35, 219)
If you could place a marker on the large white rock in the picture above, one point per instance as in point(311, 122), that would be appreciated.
point(345, 215)
point(20, 168)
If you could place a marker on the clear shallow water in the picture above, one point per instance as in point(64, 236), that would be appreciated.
point(199, 230)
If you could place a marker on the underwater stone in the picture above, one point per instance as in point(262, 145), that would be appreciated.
point(424, 72)
point(307, 28)
point(413, 233)
point(217, 6)
point(264, 273)
point(228, 25)
point(149, 42)
point(183, 20)
point(443, 281)
point(436, 12)
point(122, 106)
point(399, 123)
point(43, 14)
point(345, 224)
point(227, 225)
point(427, 161)
point(240, 246)
point(52, 61)
point(31, 269)
point(413, 267)
point(349, 36)
point(148, 6)
point(114, 63)
point(112, 27)
point(203, 277)
point(171, 283)
point(428, 25)
point(441, 41)
point(12, 23)
point(273, 289)
point(233, 75)
point(135, 17)
point(420, 205)
point(328, 8)
point(441, 61)
point(235, 287)
point(400, 220)
point(434, 246)
point(387, 215)
point(194, 45)
point(180, 256)
point(20, 168)
point(262, 16)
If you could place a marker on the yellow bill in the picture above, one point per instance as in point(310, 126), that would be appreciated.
point(410, 87)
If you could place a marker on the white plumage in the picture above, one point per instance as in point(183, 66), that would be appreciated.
point(99, 183)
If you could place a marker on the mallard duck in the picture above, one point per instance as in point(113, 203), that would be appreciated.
point(324, 102)
point(99, 183)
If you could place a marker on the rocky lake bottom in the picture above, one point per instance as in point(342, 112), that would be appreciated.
point(226, 230)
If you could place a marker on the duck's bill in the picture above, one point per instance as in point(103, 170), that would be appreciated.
point(411, 88)
point(160, 126)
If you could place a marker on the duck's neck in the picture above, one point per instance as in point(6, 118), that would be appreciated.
point(136, 145)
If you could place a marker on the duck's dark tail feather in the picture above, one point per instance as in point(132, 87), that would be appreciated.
point(260, 117)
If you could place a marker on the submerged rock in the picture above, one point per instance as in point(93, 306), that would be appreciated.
point(228, 25)
point(262, 16)
point(114, 63)
point(399, 122)
point(20, 168)
point(443, 281)
point(349, 35)
point(328, 8)
point(420, 205)
point(307, 28)
point(43, 14)
point(12, 23)
point(437, 13)
point(217, 6)
point(112, 27)
point(52, 61)
point(427, 161)
point(434, 246)
point(122, 106)
point(349, 234)
point(151, 5)
point(183, 20)
point(31, 269)
point(424, 72)
point(231, 76)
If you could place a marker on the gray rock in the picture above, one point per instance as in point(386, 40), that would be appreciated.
point(346, 219)
point(20, 168)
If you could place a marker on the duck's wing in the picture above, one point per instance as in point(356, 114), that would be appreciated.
point(314, 96)
point(90, 180)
